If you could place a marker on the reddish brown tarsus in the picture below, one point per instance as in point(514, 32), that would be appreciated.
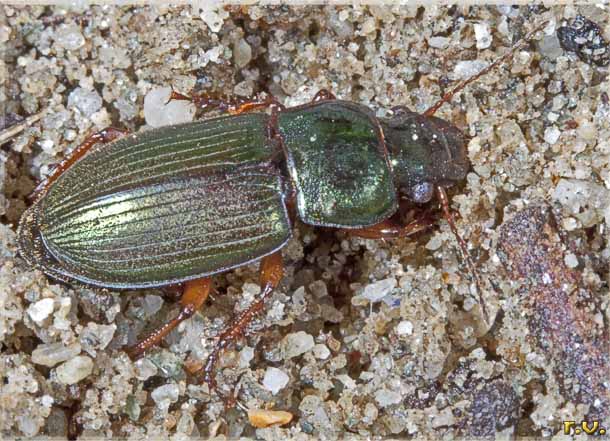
point(271, 273)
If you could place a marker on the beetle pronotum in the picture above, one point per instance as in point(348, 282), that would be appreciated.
point(179, 204)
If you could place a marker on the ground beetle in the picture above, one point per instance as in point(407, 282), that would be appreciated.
point(179, 204)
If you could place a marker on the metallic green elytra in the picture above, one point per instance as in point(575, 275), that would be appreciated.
point(161, 207)
point(183, 202)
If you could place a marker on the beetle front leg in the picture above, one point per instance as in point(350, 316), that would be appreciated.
point(272, 270)
point(195, 294)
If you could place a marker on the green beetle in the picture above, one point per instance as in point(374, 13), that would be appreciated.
point(182, 203)
point(179, 204)
point(188, 201)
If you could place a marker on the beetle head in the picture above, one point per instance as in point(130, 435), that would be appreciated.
point(425, 152)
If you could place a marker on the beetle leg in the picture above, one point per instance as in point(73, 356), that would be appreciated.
point(272, 270)
point(323, 95)
point(104, 136)
point(390, 229)
point(195, 294)
point(234, 106)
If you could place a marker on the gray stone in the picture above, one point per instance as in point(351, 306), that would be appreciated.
point(54, 353)
point(85, 101)
point(75, 370)
point(296, 344)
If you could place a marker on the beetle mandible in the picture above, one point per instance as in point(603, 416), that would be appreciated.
point(181, 203)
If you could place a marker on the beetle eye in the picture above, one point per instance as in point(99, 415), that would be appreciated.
point(421, 193)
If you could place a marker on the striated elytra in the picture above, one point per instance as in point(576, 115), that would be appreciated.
point(161, 207)
point(183, 202)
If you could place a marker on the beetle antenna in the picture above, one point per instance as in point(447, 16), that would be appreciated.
point(449, 95)
point(444, 200)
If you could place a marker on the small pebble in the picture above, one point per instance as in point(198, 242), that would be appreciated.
point(386, 397)
point(40, 310)
point(586, 38)
point(443, 418)
point(347, 381)
point(483, 35)
point(368, 26)
point(246, 355)
point(168, 364)
point(275, 380)
point(165, 395)
point(242, 53)
point(576, 194)
point(29, 426)
point(571, 260)
point(321, 352)
point(85, 101)
point(54, 353)
point(69, 37)
point(569, 224)
point(96, 337)
point(75, 370)
point(132, 408)
point(151, 304)
point(296, 344)
point(435, 242)
point(214, 18)
point(267, 418)
point(378, 290)
point(549, 47)
point(438, 42)
point(160, 111)
point(467, 69)
point(145, 369)
point(551, 134)
point(404, 328)
point(588, 131)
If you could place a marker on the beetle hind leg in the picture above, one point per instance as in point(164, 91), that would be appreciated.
point(271, 273)
point(104, 136)
point(195, 294)
point(234, 106)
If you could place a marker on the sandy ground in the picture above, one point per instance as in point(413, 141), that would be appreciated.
point(363, 337)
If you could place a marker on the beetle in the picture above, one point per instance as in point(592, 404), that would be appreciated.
point(179, 204)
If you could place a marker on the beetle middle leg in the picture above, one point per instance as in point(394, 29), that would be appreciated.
point(391, 229)
point(272, 270)
point(195, 294)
